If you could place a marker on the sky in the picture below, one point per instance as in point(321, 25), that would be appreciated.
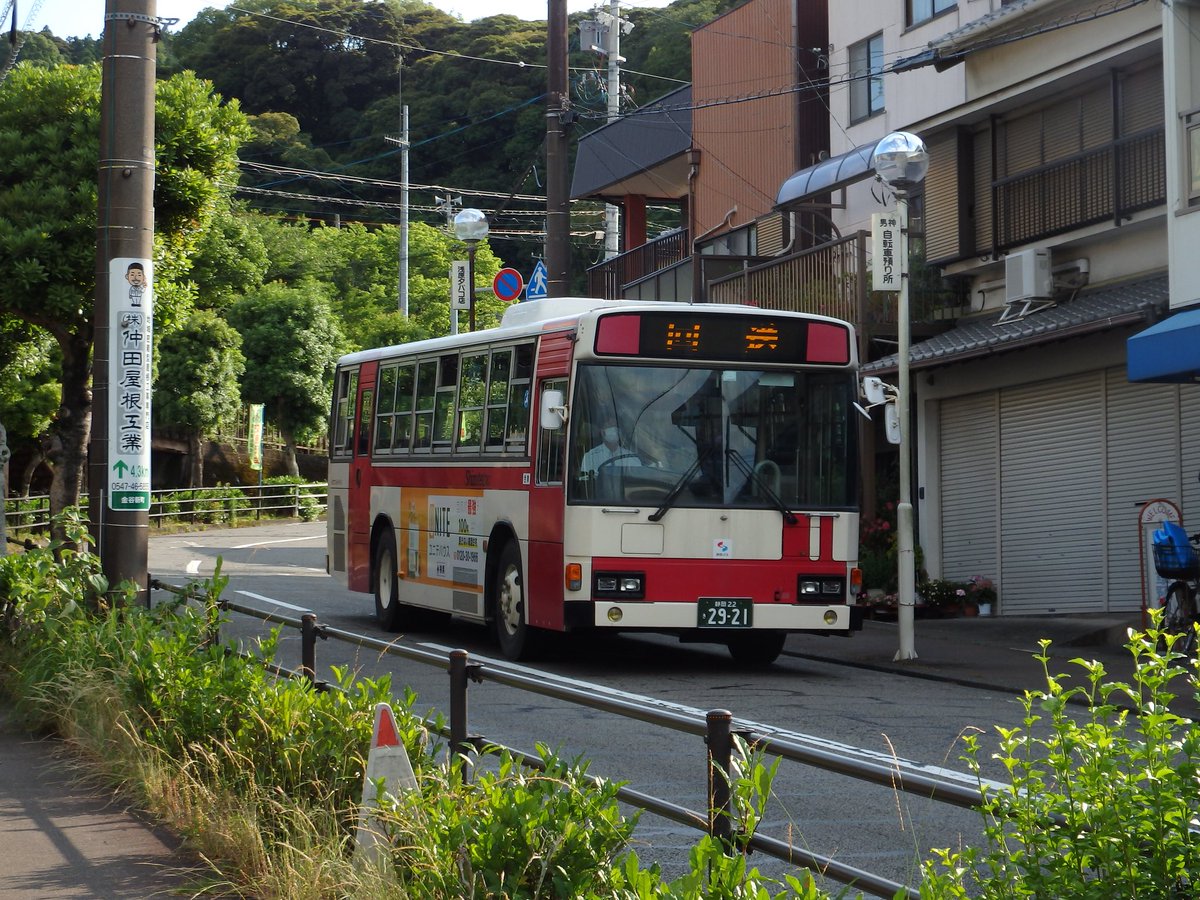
point(76, 18)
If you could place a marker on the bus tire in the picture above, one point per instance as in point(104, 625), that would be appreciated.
point(387, 584)
point(516, 637)
point(757, 649)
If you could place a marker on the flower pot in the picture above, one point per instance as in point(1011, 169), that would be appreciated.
point(985, 609)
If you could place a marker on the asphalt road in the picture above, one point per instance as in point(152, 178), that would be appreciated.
point(845, 709)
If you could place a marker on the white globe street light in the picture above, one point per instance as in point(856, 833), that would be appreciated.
point(901, 161)
point(470, 227)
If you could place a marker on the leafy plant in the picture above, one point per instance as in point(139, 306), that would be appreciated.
point(1101, 804)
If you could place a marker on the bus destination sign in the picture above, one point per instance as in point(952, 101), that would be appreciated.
point(712, 337)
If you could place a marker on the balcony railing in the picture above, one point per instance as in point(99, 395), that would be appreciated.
point(828, 280)
point(608, 280)
point(1107, 184)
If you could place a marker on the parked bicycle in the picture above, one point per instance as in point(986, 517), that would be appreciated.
point(1175, 558)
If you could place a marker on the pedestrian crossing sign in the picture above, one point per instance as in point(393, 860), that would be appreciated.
point(536, 285)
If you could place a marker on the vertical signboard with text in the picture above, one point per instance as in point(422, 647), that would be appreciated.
point(131, 310)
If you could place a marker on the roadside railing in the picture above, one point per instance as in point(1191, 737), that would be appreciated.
point(716, 728)
point(221, 505)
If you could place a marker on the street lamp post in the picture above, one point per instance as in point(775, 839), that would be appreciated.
point(900, 161)
point(470, 227)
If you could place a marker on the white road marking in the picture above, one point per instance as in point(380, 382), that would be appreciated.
point(255, 596)
point(193, 568)
point(311, 537)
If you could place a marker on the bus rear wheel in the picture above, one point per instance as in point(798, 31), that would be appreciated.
point(517, 639)
point(756, 649)
point(387, 585)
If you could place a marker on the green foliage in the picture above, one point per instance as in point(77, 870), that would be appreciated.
point(1102, 797)
point(291, 343)
point(308, 503)
point(199, 365)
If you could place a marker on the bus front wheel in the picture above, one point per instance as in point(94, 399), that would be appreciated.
point(515, 636)
point(387, 586)
point(756, 649)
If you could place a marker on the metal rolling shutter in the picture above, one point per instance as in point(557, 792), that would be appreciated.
point(970, 469)
point(1051, 495)
point(1189, 453)
point(1142, 445)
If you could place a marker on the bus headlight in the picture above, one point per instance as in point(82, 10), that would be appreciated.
point(622, 585)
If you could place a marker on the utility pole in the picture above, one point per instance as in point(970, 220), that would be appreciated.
point(612, 213)
point(402, 277)
point(119, 450)
point(558, 116)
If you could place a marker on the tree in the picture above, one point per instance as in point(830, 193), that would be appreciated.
point(291, 343)
point(49, 151)
point(196, 388)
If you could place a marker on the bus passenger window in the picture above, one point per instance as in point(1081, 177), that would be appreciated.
point(404, 410)
point(472, 385)
point(518, 398)
point(426, 391)
point(551, 443)
point(343, 412)
point(443, 404)
point(497, 397)
point(384, 409)
point(364, 422)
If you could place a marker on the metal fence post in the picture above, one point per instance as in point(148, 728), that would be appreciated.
point(460, 746)
point(308, 647)
point(719, 738)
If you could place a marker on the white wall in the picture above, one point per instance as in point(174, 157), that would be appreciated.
point(1181, 68)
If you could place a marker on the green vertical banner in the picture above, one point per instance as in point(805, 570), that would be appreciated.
point(254, 437)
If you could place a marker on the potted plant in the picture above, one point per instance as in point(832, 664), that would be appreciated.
point(983, 593)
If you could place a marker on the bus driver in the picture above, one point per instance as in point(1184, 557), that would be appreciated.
point(609, 451)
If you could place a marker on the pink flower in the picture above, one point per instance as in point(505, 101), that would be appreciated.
point(960, 592)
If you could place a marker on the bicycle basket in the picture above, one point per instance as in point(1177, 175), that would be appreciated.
point(1174, 561)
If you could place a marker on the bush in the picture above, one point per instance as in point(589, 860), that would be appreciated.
point(265, 775)
point(1101, 804)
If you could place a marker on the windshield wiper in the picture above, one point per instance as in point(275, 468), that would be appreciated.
point(679, 485)
point(788, 515)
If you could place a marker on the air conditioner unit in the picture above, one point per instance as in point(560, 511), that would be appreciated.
point(1027, 275)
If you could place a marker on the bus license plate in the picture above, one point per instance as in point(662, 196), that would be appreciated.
point(725, 612)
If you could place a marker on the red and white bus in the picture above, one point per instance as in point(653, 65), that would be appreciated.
point(664, 467)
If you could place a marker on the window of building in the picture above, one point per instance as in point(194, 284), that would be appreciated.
point(1193, 160)
point(866, 73)
point(922, 10)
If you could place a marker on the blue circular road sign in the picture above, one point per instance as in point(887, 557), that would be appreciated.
point(508, 284)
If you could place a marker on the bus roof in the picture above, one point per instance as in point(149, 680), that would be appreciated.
point(535, 316)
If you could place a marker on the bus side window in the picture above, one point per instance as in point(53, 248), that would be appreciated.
point(551, 442)
point(384, 409)
point(518, 398)
point(364, 422)
point(472, 385)
point(499, 373)
point(426, 390)
point(343, 413)
point(443, 404)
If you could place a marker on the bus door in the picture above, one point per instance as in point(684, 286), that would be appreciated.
point(544, 577)
point(359, 500)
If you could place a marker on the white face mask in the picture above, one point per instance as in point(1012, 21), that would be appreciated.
point(610, 435)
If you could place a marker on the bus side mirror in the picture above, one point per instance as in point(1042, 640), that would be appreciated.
point(553, 413)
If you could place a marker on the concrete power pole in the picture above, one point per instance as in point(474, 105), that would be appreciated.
point(119, 450)
point(558, 211)
point(612, 213)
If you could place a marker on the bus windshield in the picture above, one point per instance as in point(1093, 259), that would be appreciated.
point(713, 437)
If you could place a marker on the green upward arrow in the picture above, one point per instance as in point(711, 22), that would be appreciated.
point(120, 465)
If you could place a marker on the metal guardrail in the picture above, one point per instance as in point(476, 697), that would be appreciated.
point(225, 504)
point(716, 729)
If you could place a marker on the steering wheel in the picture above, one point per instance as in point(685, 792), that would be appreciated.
point(624, 454)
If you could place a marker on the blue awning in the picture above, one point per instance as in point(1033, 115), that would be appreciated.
point(1168, 351)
